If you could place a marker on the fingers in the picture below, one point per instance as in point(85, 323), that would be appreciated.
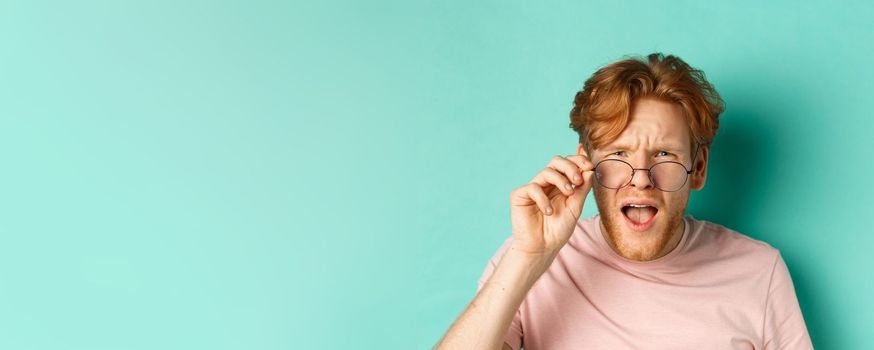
point(569, 168)
point(582, 162)
point(571, 175)
point(577, 200)
point(562, 171)
point(533, 192)
point(550, 176)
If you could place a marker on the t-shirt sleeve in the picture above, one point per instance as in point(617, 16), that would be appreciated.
point(514, 333)
point(784, 324)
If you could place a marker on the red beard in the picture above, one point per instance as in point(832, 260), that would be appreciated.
point(639, 246)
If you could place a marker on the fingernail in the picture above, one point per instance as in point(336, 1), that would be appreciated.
point(569, 187)
point(548, 210)
point(577, 177)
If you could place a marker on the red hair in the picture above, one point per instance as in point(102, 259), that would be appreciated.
point(602, 109)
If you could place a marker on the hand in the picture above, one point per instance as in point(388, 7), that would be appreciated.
point(545, 211)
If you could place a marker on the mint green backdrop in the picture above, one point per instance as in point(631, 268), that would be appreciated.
point(273, 175)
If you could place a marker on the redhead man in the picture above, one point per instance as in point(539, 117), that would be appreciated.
point(641, 274)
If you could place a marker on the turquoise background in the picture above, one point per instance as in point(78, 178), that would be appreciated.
point(274, 175)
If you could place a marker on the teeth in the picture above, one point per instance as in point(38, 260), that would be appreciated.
point(638, 205)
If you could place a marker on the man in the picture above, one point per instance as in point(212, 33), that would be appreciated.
point(641, 274)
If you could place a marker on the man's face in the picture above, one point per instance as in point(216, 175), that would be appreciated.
point(657, 132)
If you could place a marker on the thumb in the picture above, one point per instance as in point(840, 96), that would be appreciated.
point(578, 198)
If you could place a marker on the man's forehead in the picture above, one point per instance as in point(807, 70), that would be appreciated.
point(668, 143)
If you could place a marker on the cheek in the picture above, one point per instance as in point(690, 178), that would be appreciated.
point(606, 200)
point(676, 201)
point(603, 196)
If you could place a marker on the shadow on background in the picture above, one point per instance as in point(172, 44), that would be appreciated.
point(737, 176)
point(740, 177)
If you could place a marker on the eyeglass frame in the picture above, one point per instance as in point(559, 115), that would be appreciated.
point(649, 171)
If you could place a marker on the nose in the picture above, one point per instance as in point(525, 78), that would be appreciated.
point(640, 178)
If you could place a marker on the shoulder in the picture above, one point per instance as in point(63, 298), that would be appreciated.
point(721, 242)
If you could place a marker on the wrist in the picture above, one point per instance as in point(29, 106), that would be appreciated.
point(535, 263)
point(533, 256)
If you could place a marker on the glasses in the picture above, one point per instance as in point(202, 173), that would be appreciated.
point(668, 176)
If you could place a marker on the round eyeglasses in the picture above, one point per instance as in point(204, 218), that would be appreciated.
point(668, 176)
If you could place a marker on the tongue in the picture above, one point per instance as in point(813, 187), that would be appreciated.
point(640, 215)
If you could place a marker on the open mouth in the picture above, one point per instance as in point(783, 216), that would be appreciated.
point(639, 217)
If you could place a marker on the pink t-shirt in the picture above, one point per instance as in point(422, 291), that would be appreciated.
point(718, 289)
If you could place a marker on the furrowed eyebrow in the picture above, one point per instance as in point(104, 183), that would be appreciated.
point(673, 148)
point(670, 148)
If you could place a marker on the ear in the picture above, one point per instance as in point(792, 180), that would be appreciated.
point(699, 169)
point(582, 151)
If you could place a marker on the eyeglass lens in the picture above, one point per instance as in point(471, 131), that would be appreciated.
point(666, 176)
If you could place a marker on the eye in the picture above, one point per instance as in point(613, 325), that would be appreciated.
point(617, 153)
point(665, 152)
